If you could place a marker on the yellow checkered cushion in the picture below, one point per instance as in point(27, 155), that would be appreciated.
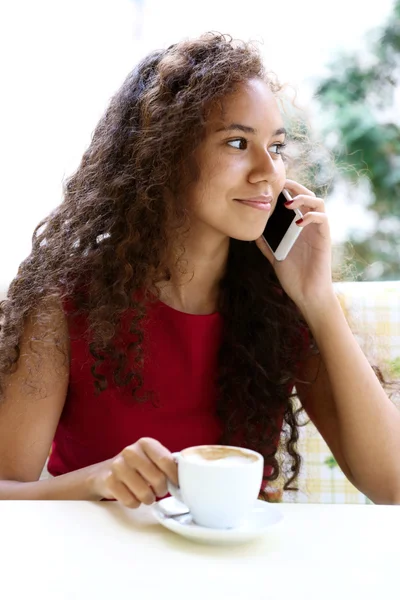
point(373, 312)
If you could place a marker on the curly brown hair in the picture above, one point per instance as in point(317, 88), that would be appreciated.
point(112, 238)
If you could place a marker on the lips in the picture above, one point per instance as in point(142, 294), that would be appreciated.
point(260, 202)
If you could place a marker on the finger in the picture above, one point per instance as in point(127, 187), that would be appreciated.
point(121, 493)
point(318, 218)
point(297, 188)
point(137, 461)
point(161, 457)
point(132, 480)
point(264, 248)
point(302, 200)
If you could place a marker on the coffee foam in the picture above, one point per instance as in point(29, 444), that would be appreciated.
point(219, 455)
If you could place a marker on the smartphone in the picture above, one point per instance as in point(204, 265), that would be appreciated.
point(281, 230)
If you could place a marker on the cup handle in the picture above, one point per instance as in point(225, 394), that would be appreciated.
point(174, 490)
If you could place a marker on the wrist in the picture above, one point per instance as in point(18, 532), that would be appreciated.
point(75, 485)
point(94, 481)
point(320, 309)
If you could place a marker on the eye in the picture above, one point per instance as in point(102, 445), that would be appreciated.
point(238, 143)
point(279, 148)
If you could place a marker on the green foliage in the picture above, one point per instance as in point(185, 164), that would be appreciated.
point(394, 367)
point(331, 462)
point(357, 100)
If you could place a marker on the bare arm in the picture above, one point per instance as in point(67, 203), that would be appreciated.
point(29, 414)
point(351, 410)
point(317, 400)
point(30, 411)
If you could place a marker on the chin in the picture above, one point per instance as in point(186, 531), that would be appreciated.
point(247, 236)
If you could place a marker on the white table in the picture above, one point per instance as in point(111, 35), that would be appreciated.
point(101, 551)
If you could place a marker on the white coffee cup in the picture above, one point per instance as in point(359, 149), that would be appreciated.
point(218, 484)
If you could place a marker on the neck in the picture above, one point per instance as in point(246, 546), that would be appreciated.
point(194, 285)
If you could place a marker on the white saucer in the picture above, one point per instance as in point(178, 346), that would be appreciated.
point(263, 516)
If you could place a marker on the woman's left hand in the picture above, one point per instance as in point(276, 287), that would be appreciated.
point(306, 272)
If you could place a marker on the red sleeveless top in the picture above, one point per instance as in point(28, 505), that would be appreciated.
point(180, 366)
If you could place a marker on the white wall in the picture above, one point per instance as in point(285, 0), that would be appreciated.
point(299, 36)
point(62, 60)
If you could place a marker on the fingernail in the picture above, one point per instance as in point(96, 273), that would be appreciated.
point(299, 222)
point(289, 202)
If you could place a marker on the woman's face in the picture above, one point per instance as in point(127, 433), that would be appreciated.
point(239, 159)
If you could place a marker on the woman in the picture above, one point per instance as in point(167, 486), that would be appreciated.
point(151, 316)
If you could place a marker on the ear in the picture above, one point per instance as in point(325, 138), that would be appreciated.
point(262, 246)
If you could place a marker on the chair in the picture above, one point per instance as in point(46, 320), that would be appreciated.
point(373, 312)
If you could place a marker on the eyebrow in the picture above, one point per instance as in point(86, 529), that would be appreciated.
point(246, 129)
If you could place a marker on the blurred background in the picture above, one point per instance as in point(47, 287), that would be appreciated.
point(62, 61)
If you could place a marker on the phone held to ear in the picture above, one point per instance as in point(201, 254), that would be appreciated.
point(281, 230)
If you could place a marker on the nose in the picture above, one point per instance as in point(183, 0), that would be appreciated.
point(264, 168)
